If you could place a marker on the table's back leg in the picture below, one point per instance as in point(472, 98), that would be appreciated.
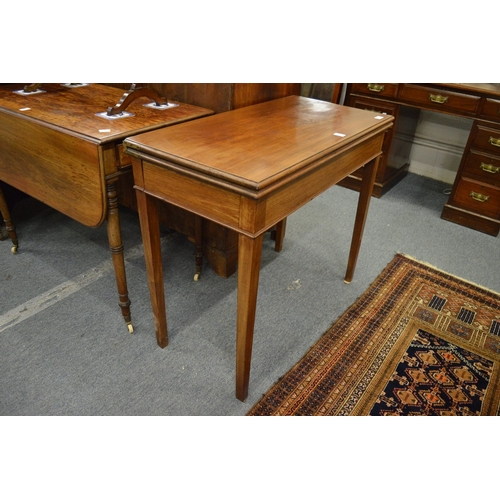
point(365, 194)
point(278, 235)
point(9, 226)
point(249, 258)
point(116, 248)
point(198, 244)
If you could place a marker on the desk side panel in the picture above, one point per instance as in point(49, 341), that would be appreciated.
point(61, 171)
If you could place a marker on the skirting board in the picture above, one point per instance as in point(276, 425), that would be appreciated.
point(438, 145)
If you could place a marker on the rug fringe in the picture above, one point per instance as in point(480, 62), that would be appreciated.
point(410, 257)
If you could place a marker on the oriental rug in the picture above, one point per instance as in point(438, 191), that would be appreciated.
point(417, 342)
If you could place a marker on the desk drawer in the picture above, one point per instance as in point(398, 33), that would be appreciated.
point(491, 109)
point(478, 198)
point(486, 138)
point(439, 100)
point(482, 167)
point(384, 108)
point(376, 89)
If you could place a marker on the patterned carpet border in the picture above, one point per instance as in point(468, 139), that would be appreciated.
point(417, 342)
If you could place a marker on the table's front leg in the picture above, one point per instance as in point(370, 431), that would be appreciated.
point(365, 194)
point(150, 229)
point(116, 249)
point(249, 258)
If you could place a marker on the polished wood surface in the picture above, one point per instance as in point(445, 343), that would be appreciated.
point(247, 170)
point(478, 101)
point(55, 148)
point(220, 244)
point(66, 150)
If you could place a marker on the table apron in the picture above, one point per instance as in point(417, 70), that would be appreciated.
point(288, 198)
point(246, 211)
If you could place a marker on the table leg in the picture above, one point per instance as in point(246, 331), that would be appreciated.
point(365, 194)
point(279, 235)
point(116, 249)
point(9, 226)
point(150, 229)
point(249, 257)
point(198, 245)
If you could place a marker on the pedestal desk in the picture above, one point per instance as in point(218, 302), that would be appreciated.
point(247, 170)
point(56, 146)
point(475, 197)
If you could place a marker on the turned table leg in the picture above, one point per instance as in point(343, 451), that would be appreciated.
point(4, 210)
point(116, 249)
point(198, 244)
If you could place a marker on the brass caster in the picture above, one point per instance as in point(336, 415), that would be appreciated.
point(197, 276)
point(14, 249)
point(130, 328)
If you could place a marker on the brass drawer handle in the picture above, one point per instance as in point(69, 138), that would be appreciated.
point(375, 87)
point(439, 99)
point(479, 197)
point(494, 142)
point(487, 167)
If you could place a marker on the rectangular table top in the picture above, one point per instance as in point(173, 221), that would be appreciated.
point(257, 146)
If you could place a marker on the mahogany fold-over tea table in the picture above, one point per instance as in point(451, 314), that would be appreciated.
point(248, 169)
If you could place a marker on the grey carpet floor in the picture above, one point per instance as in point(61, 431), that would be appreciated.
point(65, 349)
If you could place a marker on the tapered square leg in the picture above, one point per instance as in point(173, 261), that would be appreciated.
point(249, 258)
point(150, 228)
point(365, 194)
